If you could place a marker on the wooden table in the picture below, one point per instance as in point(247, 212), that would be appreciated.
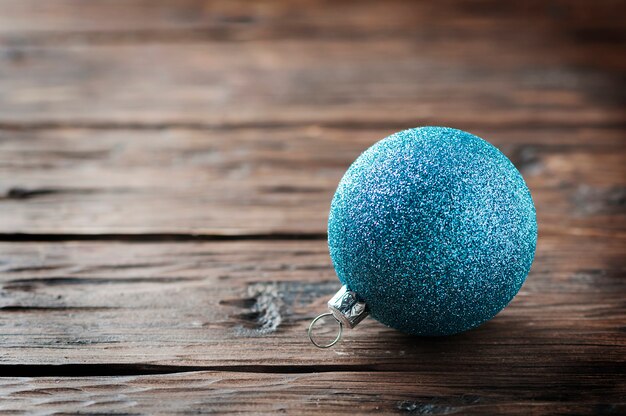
point(166, 172)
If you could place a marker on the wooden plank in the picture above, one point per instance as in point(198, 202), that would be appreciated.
point(425, 393)
point(221, 304)
point(239, 311)
point(390, 82)
point(303, 17)
point(265, 181)
point(479, 74)
point(137, 124)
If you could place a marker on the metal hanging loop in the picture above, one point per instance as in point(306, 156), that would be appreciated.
point(310, 331)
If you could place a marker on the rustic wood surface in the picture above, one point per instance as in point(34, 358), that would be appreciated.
point(166, 169)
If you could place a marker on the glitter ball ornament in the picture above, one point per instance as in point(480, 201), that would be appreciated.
point(432, 231)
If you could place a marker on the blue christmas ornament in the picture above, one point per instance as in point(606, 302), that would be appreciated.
point(432, 231)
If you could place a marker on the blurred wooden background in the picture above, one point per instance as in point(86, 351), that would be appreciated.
point(166, 169)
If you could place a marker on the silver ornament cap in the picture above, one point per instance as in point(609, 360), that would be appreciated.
point(347, 307)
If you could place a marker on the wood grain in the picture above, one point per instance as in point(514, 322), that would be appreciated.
point(467, 69)
point(120, 309)
point(314, 82)
point(240, 309)
point(265, 181)
point(166, 169)
point(248, 303)
point(322, 393)
point(395, 16)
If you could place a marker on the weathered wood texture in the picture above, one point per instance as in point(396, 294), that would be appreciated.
point(266, 181)
point(347, 392)
point(397, 64)
point(115, 308)
point(248, 303)
point(196, 146)
point(249, 136)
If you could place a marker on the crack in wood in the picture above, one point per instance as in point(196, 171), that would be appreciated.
point(265, 315)
point(438, 405)
point(23, 193)
point(30, 193)
point(285, 189)
point(158, 237)
point(132, 369)
point(21, 284)
point(393, 125)
point(267, 304)
point(27, 308)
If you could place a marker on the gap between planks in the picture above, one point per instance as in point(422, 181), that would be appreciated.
point(130, 369)
point(157, 237)
point(394, 125)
